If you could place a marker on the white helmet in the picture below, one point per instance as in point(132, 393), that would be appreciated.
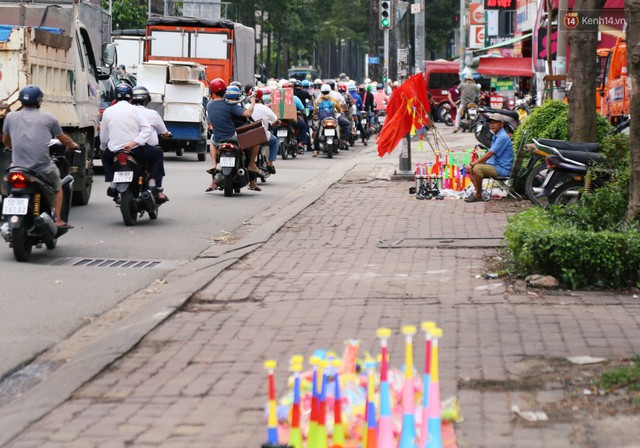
point(318, 81)
point(367, 81)
point(326, 88)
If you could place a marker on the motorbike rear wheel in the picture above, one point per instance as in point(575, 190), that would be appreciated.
point(533, 185)
point(569, 193)
point(228, 186)
point(21, 244)
point(330, 151)
point(128, 208)
point(284, 151)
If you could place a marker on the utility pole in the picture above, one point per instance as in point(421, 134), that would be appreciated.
point(418, 44)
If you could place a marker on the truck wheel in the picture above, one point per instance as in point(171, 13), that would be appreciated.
point(179, 151)
point(202, 157)
point(82, 194)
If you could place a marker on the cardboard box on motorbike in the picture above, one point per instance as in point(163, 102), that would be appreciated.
point(282, 104)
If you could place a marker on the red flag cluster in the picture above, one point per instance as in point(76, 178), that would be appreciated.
point(408, 107)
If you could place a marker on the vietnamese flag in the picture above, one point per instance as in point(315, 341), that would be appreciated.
point(408, 107)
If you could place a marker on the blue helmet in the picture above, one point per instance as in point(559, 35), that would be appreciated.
point(124, 91)
point(233, 93)
point(31, 96)
point(306, 83)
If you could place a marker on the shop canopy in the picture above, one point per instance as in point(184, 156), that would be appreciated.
point(506, 67)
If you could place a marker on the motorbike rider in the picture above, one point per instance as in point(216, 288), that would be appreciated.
point(468, 92)
point(380, 98)
point(326, 106)
point(349, 108)
point(27, 133)
point(265, 114)
point(125, 126)
point(369, 103)
point(343, 121)
point(221, 115)
point(301, 93)
point(141, 98)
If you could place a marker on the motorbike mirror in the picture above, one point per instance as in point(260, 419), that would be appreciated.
point(109, 55)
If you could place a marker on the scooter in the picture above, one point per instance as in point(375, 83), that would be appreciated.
point(327, 137)
point(232, 174)
point(27, 211)
point(134, 195)
point(288, 141)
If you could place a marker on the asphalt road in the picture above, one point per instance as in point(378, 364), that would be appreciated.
point(57, 292)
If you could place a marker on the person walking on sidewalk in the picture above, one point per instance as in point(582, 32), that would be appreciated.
point(468, 92)
point(498, 160)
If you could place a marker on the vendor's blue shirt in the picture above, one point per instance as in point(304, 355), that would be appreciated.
point(298, 103)
point(221, 115)
point(502, 150)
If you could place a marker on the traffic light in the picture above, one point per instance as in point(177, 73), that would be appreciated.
point(385, 14)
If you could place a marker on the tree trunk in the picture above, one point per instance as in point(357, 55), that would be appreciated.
point(632, 10)
point(583, 42)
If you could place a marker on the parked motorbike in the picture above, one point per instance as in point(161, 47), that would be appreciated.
point(134, 195)
point(469, 119)
point(327, 137)
point(444, 114)
point(288, 141)
point(232, 173)
point(27, 211)
point(524, 106)
point(567, 170)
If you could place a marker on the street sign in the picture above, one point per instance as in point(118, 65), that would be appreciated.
point(374, 60)
point(403, 55)
point(416, 8)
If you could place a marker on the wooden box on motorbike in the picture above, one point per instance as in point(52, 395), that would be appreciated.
point(282, 104)
point(251, 134)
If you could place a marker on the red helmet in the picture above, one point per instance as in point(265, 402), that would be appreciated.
point(342, 87)
point(218, 85)
point(287, 85)
point(257, 93)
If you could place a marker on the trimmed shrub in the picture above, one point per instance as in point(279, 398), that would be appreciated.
point(545, 241)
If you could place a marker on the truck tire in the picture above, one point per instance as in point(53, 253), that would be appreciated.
point(202, 157)
point(83, 181)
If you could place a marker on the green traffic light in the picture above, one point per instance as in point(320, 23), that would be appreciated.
point(385, 22)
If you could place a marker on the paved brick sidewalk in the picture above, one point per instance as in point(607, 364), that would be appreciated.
point(353, 261)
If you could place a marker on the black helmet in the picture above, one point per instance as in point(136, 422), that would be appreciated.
point(141, 95)
point(297, 84)
point(124, 92)
point(31, 96)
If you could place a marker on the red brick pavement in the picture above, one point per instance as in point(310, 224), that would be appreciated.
point(329, 275)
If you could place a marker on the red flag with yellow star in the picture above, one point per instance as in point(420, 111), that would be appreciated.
point(408, 109)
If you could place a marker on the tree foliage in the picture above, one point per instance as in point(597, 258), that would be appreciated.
point(127, 14)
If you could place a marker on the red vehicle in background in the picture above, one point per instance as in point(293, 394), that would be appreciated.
point(225, 48)
point(440, 76)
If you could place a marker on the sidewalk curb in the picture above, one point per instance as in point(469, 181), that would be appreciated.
point(190, 278)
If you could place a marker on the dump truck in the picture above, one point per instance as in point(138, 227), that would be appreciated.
point(63, 48)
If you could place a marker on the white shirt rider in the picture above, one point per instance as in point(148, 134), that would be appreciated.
point(131, 126)
point(156, 122)
point(266, 115)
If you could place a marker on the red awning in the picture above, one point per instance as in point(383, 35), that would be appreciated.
point(505, 67)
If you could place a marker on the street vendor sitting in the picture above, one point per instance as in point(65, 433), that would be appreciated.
point(498, 160)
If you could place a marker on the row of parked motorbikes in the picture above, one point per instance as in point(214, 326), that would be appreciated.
point(557, 172)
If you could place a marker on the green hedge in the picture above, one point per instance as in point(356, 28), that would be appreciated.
point(546, 242)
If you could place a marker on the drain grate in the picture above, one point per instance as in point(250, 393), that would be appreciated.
point(114, 263)
point(441, 243)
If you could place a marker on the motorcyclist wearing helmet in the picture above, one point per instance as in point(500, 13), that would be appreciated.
point(27, 133)
point(343, 121)
point(265, 114)
point(301, 93)
point(380, 98)
point(221, 115)
point(125, 127)
point(141, 98)
point(353, 91)
point(368, 102)
point(320, 109)
point(349, 108)
point(300, 122)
